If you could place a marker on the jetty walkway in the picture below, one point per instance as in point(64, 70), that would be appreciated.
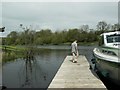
point(76, 75)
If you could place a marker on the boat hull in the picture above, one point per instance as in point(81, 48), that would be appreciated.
point(110, 70)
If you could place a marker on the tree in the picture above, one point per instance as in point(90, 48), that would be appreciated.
point(11, 38)
point(73, 34)
point(116, 27)
point(102, 26)
point(27, 35)
point(84, 28)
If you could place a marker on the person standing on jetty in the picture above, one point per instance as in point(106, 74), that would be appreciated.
point(74, 51)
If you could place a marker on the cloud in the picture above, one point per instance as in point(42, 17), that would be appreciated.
point(56, 15)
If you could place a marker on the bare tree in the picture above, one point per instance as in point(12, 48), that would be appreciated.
point(84, 28)
point(102, 26)
point(116, 27)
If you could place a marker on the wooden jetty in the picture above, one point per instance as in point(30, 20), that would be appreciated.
point(76, 75)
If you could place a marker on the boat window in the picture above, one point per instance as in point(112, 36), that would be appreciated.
point(113, 38)
point(109, 52)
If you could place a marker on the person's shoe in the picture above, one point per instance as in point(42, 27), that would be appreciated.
point(75, 61)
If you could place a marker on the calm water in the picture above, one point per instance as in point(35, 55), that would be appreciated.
point(40, 72)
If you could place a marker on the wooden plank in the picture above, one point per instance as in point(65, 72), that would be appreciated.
point(75, 75)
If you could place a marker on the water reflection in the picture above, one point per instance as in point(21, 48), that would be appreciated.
point(30, 71)
point(37, 71)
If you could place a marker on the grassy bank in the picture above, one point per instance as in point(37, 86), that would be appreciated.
point(10, 53)
point(11, 56)
point(11, 48)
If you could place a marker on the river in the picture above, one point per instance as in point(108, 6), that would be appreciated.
point(39, 72)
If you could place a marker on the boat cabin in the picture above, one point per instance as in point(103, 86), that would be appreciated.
point(110, 39)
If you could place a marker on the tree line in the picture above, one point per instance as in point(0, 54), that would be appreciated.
point(46, 36)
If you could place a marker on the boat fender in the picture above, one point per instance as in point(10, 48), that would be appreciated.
point(93, 61)
point(93, 67)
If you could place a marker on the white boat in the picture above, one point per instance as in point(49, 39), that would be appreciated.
point(107, 56)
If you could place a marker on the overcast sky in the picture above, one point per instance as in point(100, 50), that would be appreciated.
point(56, 15)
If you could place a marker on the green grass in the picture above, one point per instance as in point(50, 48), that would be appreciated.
point(12, 48)
point(10, 53)
point(11, 56)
